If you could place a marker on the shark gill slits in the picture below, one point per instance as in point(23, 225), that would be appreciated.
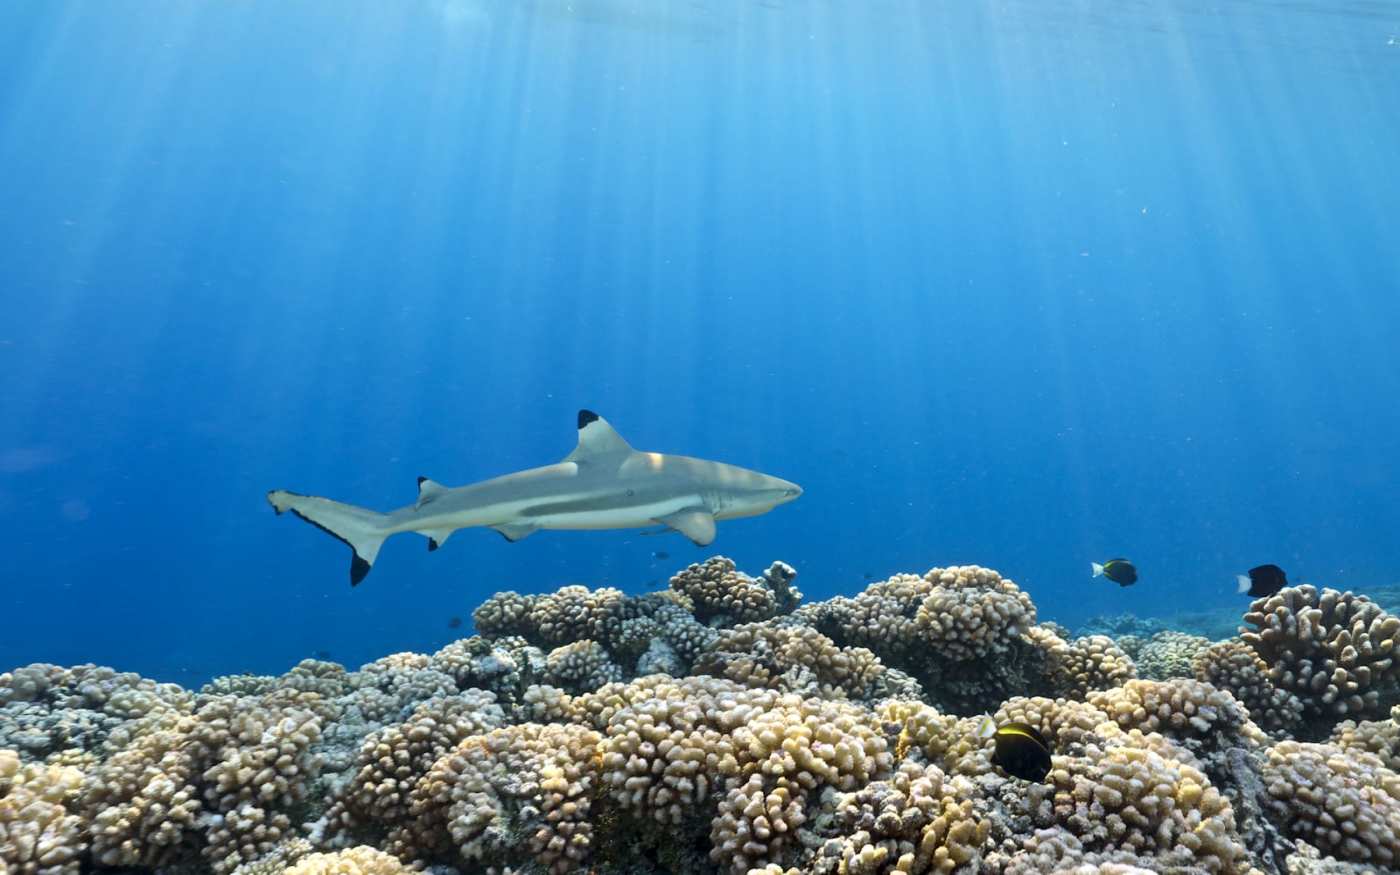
point(585, 417)
point(1263, 581)
point(1022, 752)
point(1119, 570)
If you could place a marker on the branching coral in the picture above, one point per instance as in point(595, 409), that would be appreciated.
point(720, 592)
point(526, 788)
point(964, 633)
point(1234, 666)
point(1334, 650)
point(1167, 655)
point(1094, 662)
point(39, 833)
point(794, 658)
point(1188, 711)
point(233, 767)
point(914, 822)
point(823, 740)
point(1344, 801)
point(1133, 793)
point(1380, 737)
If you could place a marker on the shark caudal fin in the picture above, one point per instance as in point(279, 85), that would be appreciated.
point(357, 527)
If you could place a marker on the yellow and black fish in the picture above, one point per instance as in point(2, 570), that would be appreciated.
point(1120, 571)
point(1022, 752)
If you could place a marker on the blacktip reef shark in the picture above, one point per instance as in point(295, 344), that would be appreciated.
point(602, 484)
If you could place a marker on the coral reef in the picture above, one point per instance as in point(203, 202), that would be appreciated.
point(1167, 655)
point(721, 728)
point(1334, 650)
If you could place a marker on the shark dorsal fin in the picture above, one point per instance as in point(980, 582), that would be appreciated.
point(596, 438)
point(428, 490)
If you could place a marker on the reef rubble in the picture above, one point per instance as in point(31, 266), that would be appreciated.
point(724, 727)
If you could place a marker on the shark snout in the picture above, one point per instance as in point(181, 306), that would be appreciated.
point(790, 491)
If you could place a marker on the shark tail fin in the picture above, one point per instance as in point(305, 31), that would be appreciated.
point(357, 527)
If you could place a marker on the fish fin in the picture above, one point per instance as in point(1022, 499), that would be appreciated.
point(1241, 583)
point(515, 531)
point(596, 438)
point(1096, 568)
point(428, 490)
point(357, 527)
point(436, 537)
point(696, 523)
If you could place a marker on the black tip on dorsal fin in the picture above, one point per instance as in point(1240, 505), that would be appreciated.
point(432, 545)
point(587, 416)
point(421, 478)
point(358, 569)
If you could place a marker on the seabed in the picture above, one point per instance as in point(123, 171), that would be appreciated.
point(725, 726)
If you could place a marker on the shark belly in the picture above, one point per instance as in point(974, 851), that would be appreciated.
point(610, 512)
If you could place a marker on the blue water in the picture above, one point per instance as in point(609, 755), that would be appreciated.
point(1023, 284)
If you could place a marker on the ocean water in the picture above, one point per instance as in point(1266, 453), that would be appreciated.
point(1020, 284)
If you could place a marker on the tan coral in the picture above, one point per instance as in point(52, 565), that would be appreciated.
point(1181, 709)
point(1380, 737)
point(1142, 794)
point(393, 760)
point(1341, 800)
point(581, 666)
point(574, 613)
point(1167, 655)
point(1234, 666)
point(756, 821)
point(39, 833)
point(972, 612)
point(504, 613)
point(528, 780)
point(914, 822)
point(1332, 649)
point(235, 764)
point(1093, 662)
point(793, 659)
point(717, 589)
point(359, 860)
point(660, 758)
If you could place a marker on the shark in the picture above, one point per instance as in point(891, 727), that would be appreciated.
point(603, 484)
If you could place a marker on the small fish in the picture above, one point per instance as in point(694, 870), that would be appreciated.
point(986, 727)
point(1262, 581)
point(454, 623)
point(1022, 752)
point(1120, 571)
point(322, 655)
point(661, 554)
point(869, 576)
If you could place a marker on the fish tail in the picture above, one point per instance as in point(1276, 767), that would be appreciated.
point(1096, 568)
point(1241, 583)
point(362, 530)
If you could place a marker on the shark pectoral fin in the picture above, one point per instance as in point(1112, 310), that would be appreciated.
point(596, 438)
point(428, 490)
point(436, 537)
point(696, 523)
point(515, 531)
